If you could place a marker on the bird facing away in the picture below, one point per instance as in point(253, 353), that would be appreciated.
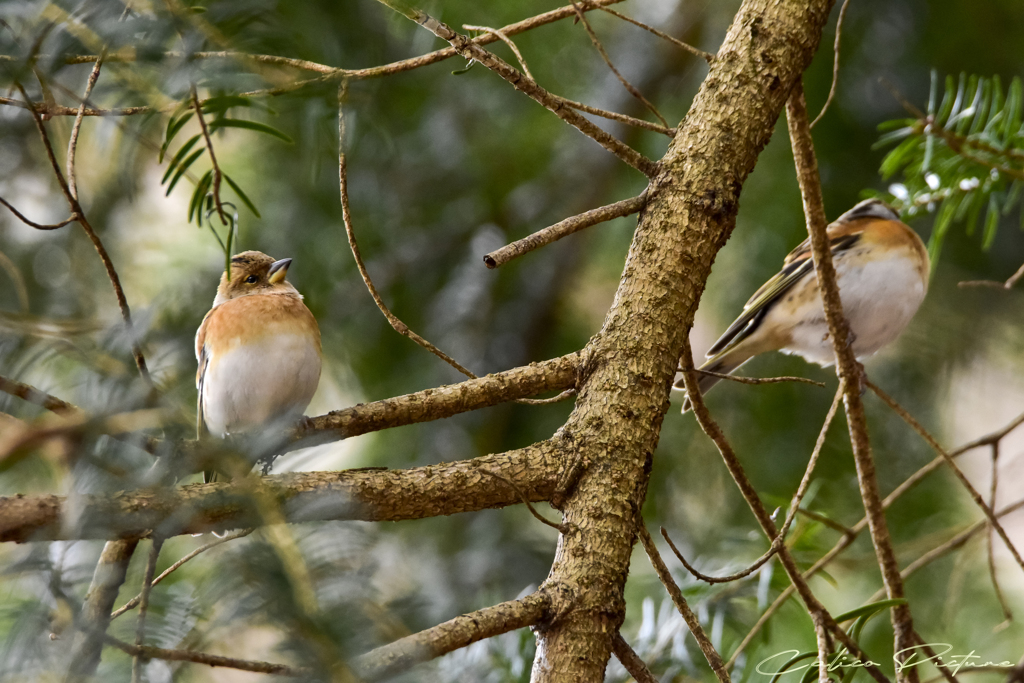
point(258, 350)
point(882, 272)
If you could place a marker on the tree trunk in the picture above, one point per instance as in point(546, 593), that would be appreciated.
point(627, 370)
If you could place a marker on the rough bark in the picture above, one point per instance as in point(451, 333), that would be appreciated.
point(628, 369)
point(368, 495)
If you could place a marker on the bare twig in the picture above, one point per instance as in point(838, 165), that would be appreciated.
point(631, 661)
point(17, 279)
point(29, 393)
point(1010, 282)
point(134, 602)
point(607, 60)
point(470, 50)
point(835, 64)
point(615, 116)
point(706, 56)
point(923, 433)
point(147, 586)
point(498, 33)
point(710, 653)
point(38, 226)
point(990, 541)
point(799, 584)
point(555, 232)
point(213, 157)
point(529, 506)
point(76, 210)
point(759, 380)
point(562, 396)
point(849, 370)
point(73, 141)
point(346, 216)
point(758, 563)
point(150, 652)
point(391, 659)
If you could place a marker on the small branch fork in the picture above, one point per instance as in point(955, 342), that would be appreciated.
point(79, 216)
point(794, 507)
point(849, 370)
point(472, 51)
point(850, 534)
point(819, 615)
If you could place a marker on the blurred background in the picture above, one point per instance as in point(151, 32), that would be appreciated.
point(443, 168)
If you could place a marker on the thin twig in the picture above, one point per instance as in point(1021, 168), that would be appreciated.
point(38, 226)
point(346, 216)
point(835, 64)
point(508, 41)
point(630, 88)
point(916, 426)
point(759, 380)
point(732, 463)
point(990, 541)
point(1010, 282)
point(615, 116)
point(706, 56)
point(568, 393)
point(850, 533)
point(134, 602)
point(150, 652)
point(147, 586)
point(561, 528)
point(472, 51)
point(213, 157)
point(692, 622)
point(555, 232)
point(29, 393)
point(73, 141)
point(849, 370)
point(76, 210)
point(794, 507)
point(631, 661)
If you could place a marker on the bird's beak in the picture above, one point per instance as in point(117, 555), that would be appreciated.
point(278, 270)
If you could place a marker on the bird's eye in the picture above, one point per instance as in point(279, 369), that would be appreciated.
point(251, 279)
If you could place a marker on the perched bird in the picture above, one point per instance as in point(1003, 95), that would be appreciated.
point(258, 350)
point(882, 272)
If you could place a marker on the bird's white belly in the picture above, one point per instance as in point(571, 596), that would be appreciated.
point(879, 299)
point(253, 384)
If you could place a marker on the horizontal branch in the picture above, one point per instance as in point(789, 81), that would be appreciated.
point(390, 660)
point(556, 374)
point(29, 393)
point(327, 72)
point(368, 495)
point(555, 232)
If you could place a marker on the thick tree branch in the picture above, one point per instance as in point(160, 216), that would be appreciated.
point(390, 660)
point(368, 495)
point(849, 370)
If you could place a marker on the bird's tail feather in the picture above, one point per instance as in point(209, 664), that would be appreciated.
point(724, 363)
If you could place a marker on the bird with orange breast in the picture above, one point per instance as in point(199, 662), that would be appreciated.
point(882, 272)
point(258, 350)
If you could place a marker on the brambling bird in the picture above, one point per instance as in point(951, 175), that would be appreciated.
point(882, 273)
point(258, 350)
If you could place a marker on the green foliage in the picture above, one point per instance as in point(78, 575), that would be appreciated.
point(962, 157)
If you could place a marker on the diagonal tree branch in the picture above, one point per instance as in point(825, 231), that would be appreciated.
point(849, 370)
point(390, 660)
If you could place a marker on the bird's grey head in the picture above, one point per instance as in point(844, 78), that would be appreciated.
point(870, 208)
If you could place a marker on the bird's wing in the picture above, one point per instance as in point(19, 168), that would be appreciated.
point(203, 357)
point(798, 264)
